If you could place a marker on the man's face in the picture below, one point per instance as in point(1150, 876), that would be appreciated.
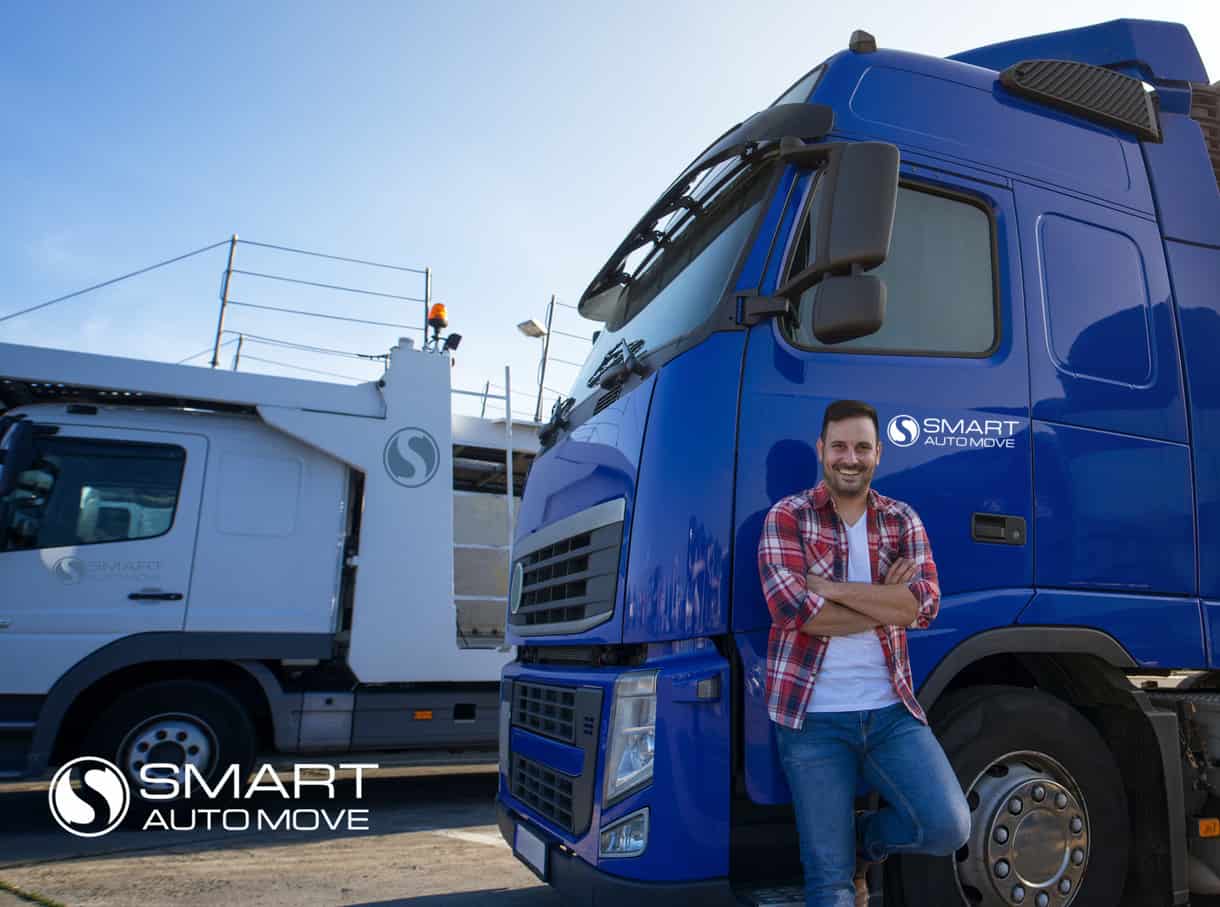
point(849, 454)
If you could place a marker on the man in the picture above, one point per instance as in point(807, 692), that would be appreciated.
point(846, 571)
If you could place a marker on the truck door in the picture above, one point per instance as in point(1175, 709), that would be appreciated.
point(96, 542)
point(948, 375)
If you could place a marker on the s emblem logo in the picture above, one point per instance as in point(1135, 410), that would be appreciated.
point(411, 457)
point(903, 431)
point(101, 803)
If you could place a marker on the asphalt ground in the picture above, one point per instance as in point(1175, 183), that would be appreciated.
point(431, 841)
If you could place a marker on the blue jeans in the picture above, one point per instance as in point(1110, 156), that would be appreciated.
point(895, 754)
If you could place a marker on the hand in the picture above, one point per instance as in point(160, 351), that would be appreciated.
point(901, 572)
point(818, 584)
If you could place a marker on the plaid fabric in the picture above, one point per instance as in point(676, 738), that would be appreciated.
point(803, 533)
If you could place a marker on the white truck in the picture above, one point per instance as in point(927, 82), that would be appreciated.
point(200, 566)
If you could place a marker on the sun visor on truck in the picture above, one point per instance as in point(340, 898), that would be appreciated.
point(802, 121)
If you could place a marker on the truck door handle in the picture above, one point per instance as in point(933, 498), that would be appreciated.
point(156, 596)
point(998, 529)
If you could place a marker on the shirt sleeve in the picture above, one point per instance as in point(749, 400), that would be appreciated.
point(782, 567)
point(915, 546)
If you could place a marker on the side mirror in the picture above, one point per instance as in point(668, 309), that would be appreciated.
point(842, 309)
point(855, 215)
point(16, 452)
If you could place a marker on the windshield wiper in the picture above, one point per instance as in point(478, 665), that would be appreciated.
point(561, 414)
point(619, 362)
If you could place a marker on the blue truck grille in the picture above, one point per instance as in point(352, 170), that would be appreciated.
point(571, 716)
point(569, 573)
point(545, 790)
point(546, 710)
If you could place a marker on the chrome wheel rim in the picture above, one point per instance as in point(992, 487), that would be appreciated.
point(1029, 835)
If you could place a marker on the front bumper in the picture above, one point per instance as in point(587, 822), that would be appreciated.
point(583, 885)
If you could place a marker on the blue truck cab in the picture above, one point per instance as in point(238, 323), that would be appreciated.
point(1014, 255)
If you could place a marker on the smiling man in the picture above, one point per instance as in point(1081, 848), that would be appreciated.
point(846, 571)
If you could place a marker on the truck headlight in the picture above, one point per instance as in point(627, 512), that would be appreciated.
point(627, 837)
point(633, 734)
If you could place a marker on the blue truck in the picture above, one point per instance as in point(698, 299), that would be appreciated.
point(1014, 254)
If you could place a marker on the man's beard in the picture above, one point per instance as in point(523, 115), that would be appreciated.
point(854, 489)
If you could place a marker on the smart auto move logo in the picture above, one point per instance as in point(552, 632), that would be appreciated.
point(411, 457)
point(939, 431)
point(100, 804)
point(90, 797)
point(72, 571)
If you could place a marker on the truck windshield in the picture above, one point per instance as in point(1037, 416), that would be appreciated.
point(675, 277)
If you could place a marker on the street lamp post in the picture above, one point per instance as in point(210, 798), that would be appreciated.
point(535, 330)
point(546, 348)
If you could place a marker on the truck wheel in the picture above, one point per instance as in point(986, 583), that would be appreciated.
point(179, 722)
point(1048, 812)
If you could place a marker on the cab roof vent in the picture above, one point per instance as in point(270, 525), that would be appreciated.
point(1097, 94)
point(1205, 110)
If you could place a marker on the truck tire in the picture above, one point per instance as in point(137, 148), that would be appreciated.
point(175, 721)
point(1049, 822)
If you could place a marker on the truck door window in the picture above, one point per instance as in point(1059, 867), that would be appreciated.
point(85, 492)
point(941, 295)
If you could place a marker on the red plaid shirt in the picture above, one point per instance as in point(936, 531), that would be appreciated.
point(803, 533)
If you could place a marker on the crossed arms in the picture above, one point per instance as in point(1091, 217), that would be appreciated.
point(802, 600)
point(854, 607)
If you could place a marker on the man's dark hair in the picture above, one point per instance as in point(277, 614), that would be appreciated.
point(849, 409)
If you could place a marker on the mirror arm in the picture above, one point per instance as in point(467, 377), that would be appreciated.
point(794, 151)
point(754, 309)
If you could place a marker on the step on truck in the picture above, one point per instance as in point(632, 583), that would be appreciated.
point(205, 567)
point(1014, 254)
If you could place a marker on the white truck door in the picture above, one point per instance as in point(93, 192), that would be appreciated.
point(96, 543)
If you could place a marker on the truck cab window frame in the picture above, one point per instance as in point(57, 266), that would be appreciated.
point(91, 491)
point(910, 191)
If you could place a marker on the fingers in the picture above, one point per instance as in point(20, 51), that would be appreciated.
point(902, 571)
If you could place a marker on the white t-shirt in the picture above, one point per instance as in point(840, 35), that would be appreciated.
point(854, 675)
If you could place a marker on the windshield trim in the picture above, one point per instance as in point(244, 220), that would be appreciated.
point(760, 133)
point(721, 315)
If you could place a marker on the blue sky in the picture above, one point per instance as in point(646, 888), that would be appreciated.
point(506, 146)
